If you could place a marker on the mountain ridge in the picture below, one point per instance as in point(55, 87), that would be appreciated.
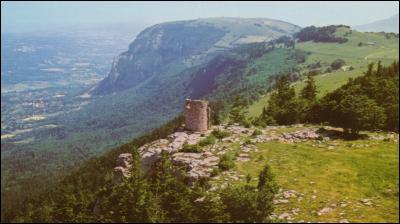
point(185, 44)
point(390, 24)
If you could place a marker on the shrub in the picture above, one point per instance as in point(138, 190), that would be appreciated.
point(226, 162)
point(256, 132)
point(246, 123)
point(250, 204)
point(220, 134)
point(191, 148)
point(248, 178)
point(209, 140)
point(260, 158)
point(328, 70)
point(215, 172)
point(314, 65)
point(338, 63)
point(247, 142)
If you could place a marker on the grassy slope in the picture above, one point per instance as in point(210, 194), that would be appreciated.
point(385, 50)
point(351, 171)
point(354, 169)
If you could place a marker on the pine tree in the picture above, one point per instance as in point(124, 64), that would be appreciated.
point(129, 201)
point(357, 113)
point(283, 107)
point(267, 188)
point(172, 193)
point(237, 113)
point(309, 92)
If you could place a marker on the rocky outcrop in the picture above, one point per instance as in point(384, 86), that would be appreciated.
point(198, 165)
point(123, 169)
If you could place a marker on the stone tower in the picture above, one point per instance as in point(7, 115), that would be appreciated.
point(197, 115)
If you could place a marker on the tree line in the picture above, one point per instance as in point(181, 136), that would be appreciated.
point(369, 102)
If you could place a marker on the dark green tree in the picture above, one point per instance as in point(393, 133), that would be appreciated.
point(129, 201)
point(251, 204)
point(283, 107)
point(173, 194)
point(357, 113)
point(338, 63)
point(308, 98)
point(368, 102)
point(237, 113)
point(309, 92)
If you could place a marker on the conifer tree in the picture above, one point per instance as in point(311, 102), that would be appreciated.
point(237, 114)
point(309, 92)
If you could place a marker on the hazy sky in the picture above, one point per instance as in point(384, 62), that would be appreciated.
point(30, 16)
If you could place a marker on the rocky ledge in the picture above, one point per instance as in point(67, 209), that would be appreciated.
point(201, 164)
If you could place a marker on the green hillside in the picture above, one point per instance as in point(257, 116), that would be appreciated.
point(374, 47)
point(335, 171)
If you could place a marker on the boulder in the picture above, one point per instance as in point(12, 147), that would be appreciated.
point(325, 211)
point(177, 141)
point(123, 169)
point(124, 160)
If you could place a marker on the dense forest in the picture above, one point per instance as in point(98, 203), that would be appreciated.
point(320, 34)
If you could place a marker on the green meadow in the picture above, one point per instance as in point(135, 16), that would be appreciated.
point(374, 47)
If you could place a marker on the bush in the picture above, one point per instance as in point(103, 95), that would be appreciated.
point(256, 132)
point(247, 142)
point(241, 203)
point(220, 134)
point(226, 162)
point(251, 204)
point(259, 122)
point(328, 70)
point(314, 65)
point(338, 63)
point(246, 123)
point(208, 141)
point(215, 172)
point(248, 178)
point(191, 148)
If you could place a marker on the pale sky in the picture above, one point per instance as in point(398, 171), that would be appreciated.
point(31, 16)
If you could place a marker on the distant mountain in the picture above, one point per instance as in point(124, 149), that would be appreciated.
point(390, 24)
point(174, 46)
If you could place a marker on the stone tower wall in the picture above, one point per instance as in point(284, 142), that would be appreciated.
point(196, 115)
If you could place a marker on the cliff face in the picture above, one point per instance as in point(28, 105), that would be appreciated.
point(156, 48)
point(175, 46)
